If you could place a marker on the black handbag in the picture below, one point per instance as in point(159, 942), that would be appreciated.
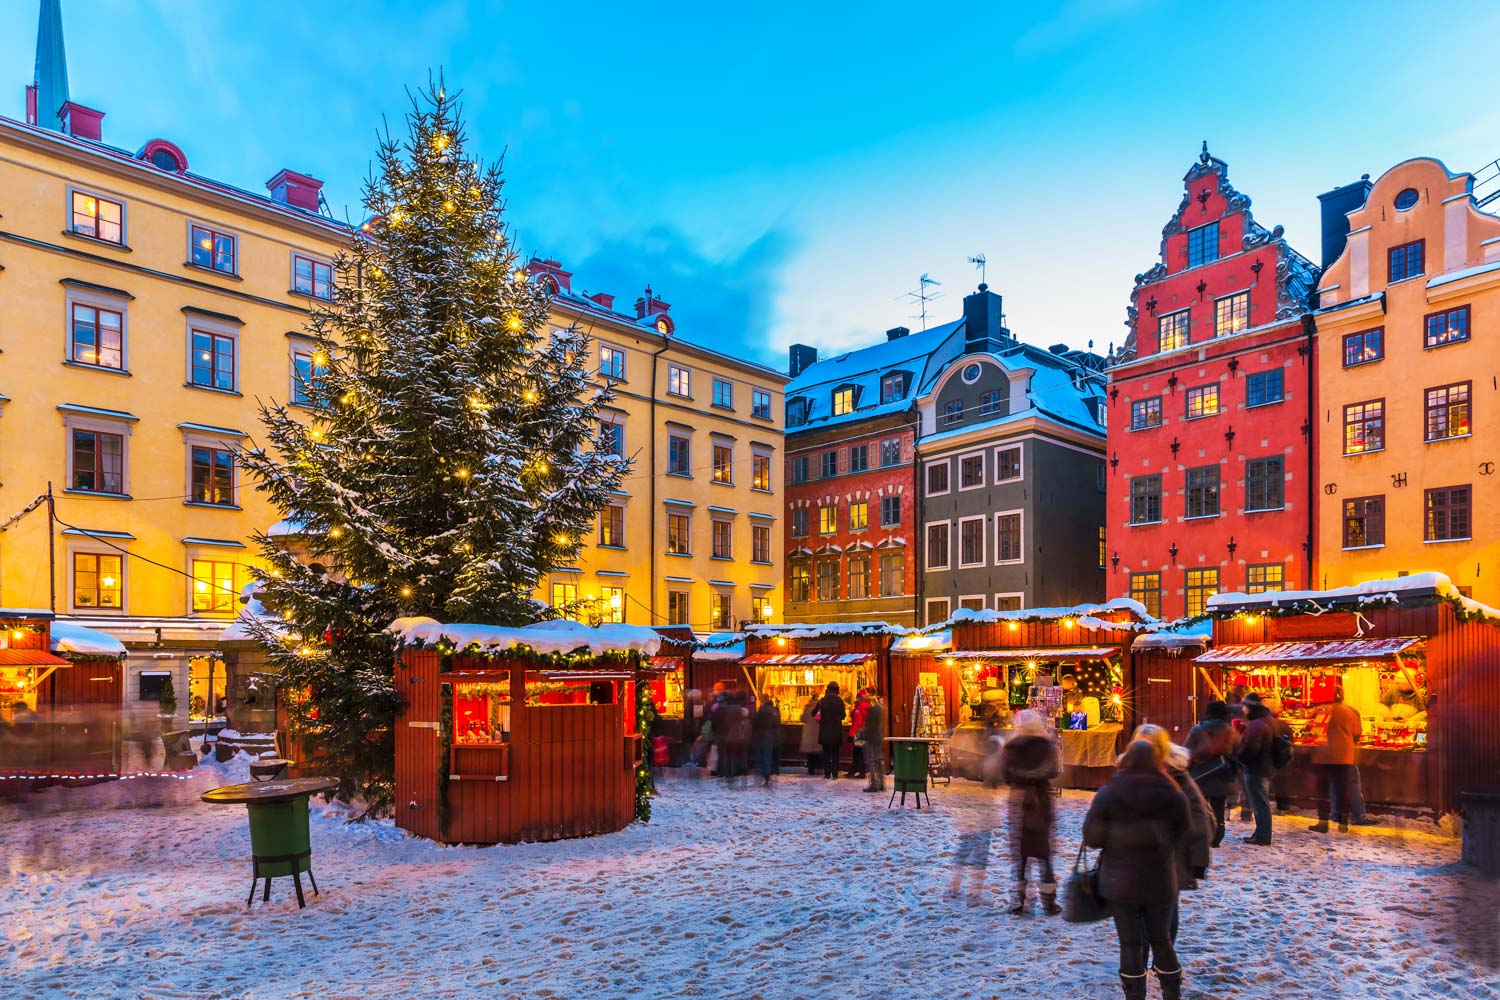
point(1082, 903)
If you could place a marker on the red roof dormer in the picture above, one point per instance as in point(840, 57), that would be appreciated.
point(549, 273)
point(296, 190)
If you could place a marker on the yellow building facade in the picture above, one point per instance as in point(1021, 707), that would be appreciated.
point(694, 536)
point(1409, 413)
point(144, 312)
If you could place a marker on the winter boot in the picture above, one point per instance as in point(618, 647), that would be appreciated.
point(1049, 899)
point(1019, 909)
point(1134, 986)
point(1171, 984)
point(1321, 826)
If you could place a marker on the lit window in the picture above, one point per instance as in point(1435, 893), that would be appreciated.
point(760, 471)
point(212, 476)
point(97, 580)
point(859, 515)
point(1201, 585)
point(1145, 413)
point(1172, 331)
point(1449, 327)
point(679, 381)
point(1203, 244)
point(1265, 578)
point(1231, 314)
point(679, 541)
point(98, 218)
point(828, 520)
point(1203, 401)
point(611, 362)
point(720, 612)
point(800, 583)
point(843, 402)
point(98, 337)
point(213, 360)
point(1364, 522)
point(214, 586)
point(98, 462)
point(564, 594)
point(677, 607)
point(213, 249)
point(1448, 411)
point(612, 601)
point(312, 277)
point(723, 463)
point(1146, 588)
point(1101, 546)
point(1364, 427)
point(1363, 347)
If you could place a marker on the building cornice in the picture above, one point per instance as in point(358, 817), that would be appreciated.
point(984, 436)
point(621, 326)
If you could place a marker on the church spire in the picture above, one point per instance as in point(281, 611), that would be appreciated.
point(51, 66)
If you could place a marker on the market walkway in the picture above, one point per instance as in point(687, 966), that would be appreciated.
point(809, 890)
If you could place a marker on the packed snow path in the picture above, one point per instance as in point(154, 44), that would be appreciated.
point(808, 890)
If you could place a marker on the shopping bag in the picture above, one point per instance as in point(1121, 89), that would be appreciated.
point(1082, 903)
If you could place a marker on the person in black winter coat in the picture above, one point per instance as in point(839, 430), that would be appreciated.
point(1255, 754)
point(831, 711)
point(1029, 764)
point(1139, 820)
point(765, 736)
point(1211, 747)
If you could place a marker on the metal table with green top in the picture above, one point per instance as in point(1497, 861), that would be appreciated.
point(910, 757)
point(280, 843)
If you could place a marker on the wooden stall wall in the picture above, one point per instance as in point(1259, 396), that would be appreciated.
point(1040, 634)
point(1463, 663)
point(1168, 691)
point(417, 726)
point(901, 686)
point(86, 682)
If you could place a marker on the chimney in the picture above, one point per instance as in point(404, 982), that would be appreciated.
point(1059, 348)
point(81, 122)
point(296, 190)
point(896, 333)
point(982, 322)
point(560, 280)
point(649, 305)
point(603, 299)
point(802, 358)
point(1336, 206)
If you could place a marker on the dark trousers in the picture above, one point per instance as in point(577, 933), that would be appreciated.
point(856, 764)
point(1258, 793)
point(1335, 780)
point(1145, 930)
point(814, 762)
point(831, 759)
point(1044, 870)
point(765, 761)
point(1216, 803)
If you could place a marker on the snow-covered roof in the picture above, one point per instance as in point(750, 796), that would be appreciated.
point(933, 642)
point(917, 353)
point(542, 637)
point(1177, 635)
point(1059, 387)
point(1369, 592)
point(80, 641)
point(239, 629)
point(286, 529)
point(721, 646)
point(1084, 614)
point(795, 630)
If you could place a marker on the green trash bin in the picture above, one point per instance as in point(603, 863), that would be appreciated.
point(911, 759)
point(280, 842)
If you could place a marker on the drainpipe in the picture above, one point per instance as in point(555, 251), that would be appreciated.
point(651, 490)
point(1310, 327)
point(919, 527)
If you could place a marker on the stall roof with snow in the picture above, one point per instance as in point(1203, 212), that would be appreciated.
point(545, 638)
point(721, 646)
point(69, 639)
point(1417, 587)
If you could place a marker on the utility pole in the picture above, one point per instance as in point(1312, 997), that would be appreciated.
point(52, 546)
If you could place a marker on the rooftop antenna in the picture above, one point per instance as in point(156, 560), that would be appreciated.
point(922, 296)
point(978, 261)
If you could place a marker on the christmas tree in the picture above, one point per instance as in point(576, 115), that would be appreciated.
point(448, 464)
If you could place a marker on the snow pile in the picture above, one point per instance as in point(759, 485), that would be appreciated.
point(81, 641)
point(721, 646)
point(1369, 592)
point(286, 529)
point(794, 630)
point(1176, 636)
point(932, 642)
point(1083, 614)
point(542, 637)
point(239, 629)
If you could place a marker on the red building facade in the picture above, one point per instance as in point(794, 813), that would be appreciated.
point(1210, 414)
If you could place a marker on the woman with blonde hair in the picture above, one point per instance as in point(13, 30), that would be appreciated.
point(1197, 848)
point(1029, 763)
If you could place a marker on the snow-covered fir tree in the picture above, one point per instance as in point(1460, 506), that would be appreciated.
point(447, 463)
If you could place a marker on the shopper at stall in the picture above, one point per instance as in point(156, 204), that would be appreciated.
point(1256, 754)
point(872, 735)
point(765, 734)
point(1334, 761)
point(1029, 766)
point(809, 742)
point(1139, 820)
point(856, 722)
point(1196, 853)
point(738, 723)
point(1211, 749)
point(830, 716)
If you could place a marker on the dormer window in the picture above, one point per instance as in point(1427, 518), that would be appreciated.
point(953, 412)
point(162, 155)
point(893, 387)
point(796, 412)
point(843, 400)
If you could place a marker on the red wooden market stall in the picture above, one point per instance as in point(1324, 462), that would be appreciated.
point(1417, 659)
point(510, 735)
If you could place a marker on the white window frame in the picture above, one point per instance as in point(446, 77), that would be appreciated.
point(96, 300)
point(686, 381)
point(984, 541)
point(1020, 513)
point(292, 272)
point(983, 604)
point(624, 362)
point(98, 195)
point(927, 547)
point(94, 547)
point(223, 231)
point(927, 468)
point(1019, 595)
point(945, 603)
point(99, 424)
point(1020, 464)
point(197, 322)
point(983, 472)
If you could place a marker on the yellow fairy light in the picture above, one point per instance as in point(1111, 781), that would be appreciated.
point(1012, 626)
point(515, 323)
point(335, 532)
point(405, 591)
point(541, 466)
point(1069, 622)
point(520, 275)
point(563, 539)
point(462, 473)
point(396, 216)
point(16, 633)
point(440, 142)
point(449, 206)
point(530, 396)
point(320, 359)
point(316, 434)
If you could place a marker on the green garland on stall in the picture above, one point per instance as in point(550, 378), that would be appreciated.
point(523, 654)
point(1345, 605)
point(645, 715)
point(445, 759)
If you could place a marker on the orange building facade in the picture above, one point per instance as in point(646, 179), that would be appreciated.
point(1408, 404)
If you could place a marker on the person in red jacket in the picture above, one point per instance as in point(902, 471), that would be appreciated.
point(856, 723)
point(1334, 761)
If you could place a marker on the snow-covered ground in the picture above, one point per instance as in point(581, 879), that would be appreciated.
point(808, 890)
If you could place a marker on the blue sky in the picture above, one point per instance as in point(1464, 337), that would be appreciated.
point(784, 175)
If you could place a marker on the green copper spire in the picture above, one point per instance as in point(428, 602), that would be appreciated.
point(51, 66)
